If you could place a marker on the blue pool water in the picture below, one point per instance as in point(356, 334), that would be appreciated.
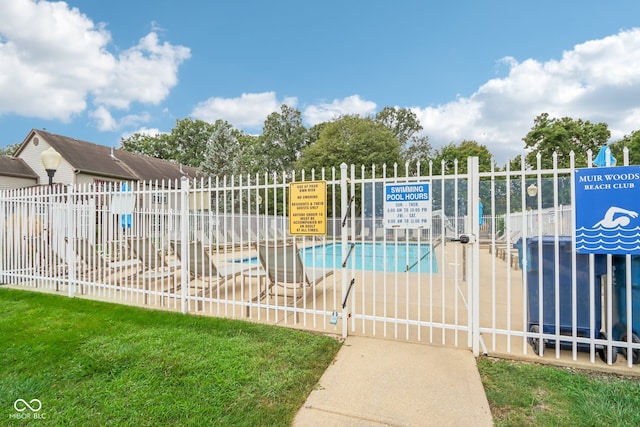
point(370, 256)
point(374, 256)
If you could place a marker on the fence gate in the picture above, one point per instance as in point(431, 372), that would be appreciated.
point(417, 283)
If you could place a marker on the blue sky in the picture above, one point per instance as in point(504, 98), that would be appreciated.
point(480, 70)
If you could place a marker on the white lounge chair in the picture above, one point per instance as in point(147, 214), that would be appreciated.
point(156, 268)
point(96, 265)
point(284, 267)
point(203, 267)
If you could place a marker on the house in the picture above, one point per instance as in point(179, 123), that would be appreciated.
point(16, 173)
point(85, 163)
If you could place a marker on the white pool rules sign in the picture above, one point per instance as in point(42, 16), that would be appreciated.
point(407, 206)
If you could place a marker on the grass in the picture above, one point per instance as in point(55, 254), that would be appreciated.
point(526, 394)
point(94, 363)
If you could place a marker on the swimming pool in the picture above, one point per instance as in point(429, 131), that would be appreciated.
point(374, 256)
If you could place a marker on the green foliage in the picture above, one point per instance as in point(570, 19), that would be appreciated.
point(94, 363)
point(460, 152)
point(252, 161)
point(632, 142)
point(190, 138)
point(157, 146)
point(185, 144)
point(419, 151)
point(217, 148)
point(283, 139)
point(402, 122)
point(405, 126)
point(351, 140)
point(392, 136)
point(223, 152)
point(9, 149)
point(549, 135)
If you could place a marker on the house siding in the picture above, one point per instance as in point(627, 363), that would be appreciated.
point(31, 155)
point(9, 182)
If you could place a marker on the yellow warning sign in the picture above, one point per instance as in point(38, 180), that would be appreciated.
point(308, 208)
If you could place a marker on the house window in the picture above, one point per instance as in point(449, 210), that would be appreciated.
point(100, 185)
point(159, 198)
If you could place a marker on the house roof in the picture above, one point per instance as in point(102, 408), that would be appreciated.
point(94, 159)
point(12, 166)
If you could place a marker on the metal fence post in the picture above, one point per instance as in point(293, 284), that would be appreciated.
point(70, 236)
point(474, 260)
point(184, 240)
point(345, 250)
point(4, 240)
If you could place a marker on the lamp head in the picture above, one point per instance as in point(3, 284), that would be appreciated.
point(50, 159)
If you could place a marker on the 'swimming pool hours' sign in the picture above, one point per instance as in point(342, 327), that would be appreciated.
point(407, 205)
point(607, 210)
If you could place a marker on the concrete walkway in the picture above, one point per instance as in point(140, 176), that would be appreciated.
point(376, 382)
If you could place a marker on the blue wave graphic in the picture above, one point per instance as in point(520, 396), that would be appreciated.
point(587, 235)
point(600, 239)
point(609, 241)
point(616, 228)
point(621, 249)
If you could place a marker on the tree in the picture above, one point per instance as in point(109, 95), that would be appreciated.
point(451, 152)
point(223, 154)
point(252, 156)
point(189, 139)
point(402, 122)
point(283, 139)
point(632, 142)
point(351, 140)
point(218, 148)
point(419, 151)
point(9, 149)
point(405, 126)
point(157, 146)
point(549, 135)
point(185, 144)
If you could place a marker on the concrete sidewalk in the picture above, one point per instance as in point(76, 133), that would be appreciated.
point(376, 382)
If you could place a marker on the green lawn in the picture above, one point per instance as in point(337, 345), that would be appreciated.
point(96, 364)
point(527, 394)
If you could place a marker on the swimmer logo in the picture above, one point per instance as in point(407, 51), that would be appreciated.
point(607, 210)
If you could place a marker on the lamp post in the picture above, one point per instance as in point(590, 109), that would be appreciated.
point(50, 160)
point(532, 192)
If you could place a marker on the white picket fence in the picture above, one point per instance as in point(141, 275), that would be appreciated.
point(192, 246)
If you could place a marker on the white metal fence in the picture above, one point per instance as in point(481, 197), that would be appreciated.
point(193, 246)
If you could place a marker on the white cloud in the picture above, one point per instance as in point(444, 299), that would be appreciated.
point(324, 112)
point(105, 122)
point(142, 131)
point(248, 111)
point(144, 73)
point(103, 119)
point(598, 80)
point(53, 58)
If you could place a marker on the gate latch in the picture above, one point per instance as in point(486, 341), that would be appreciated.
point(465, 238)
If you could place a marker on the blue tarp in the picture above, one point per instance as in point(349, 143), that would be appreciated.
point(601, 158)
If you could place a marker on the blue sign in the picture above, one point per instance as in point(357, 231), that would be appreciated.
point(126, 218)
point(607, 210)
point(407, 206)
